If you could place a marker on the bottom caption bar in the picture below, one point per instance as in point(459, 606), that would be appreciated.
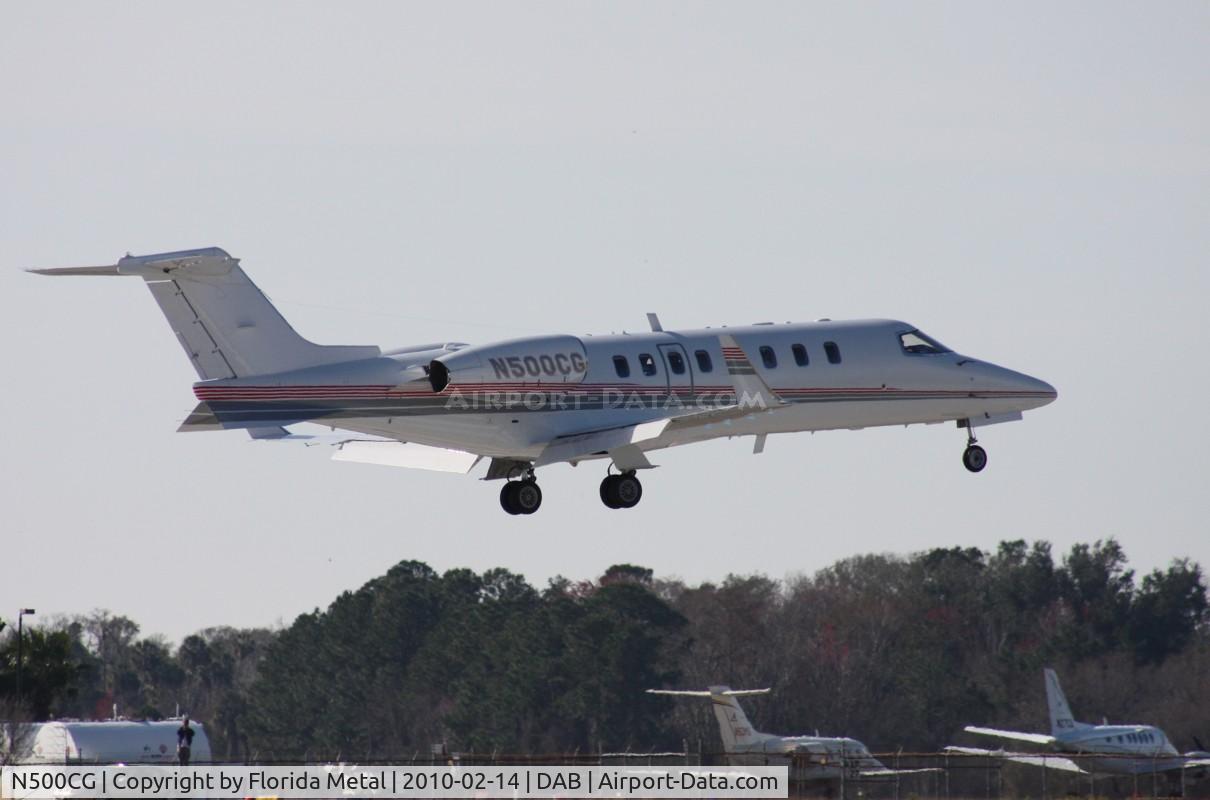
point(389, 781)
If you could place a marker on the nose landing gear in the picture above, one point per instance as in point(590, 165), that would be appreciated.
point(974, 457)
point(621, 491)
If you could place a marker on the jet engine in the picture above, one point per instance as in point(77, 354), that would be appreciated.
point(532, 361)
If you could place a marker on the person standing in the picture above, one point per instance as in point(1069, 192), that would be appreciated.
point(184, 742)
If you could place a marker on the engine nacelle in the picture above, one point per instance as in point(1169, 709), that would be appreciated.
point(537, 360)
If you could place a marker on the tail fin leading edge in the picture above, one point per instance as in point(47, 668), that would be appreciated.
point(1061, 719)
point(226, 325)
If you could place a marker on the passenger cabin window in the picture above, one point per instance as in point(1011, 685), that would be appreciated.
point(768, 357)
point(703, 361)
point(647, 363)
point(916, 343)
point(676, 363)
point(621, 366)
point(800, 355)
point(832, 351)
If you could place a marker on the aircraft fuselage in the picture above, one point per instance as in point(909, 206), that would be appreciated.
point(510, 399)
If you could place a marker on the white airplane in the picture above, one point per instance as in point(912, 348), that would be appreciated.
point(527, 403)
point(1107, 749)
point(822, 758)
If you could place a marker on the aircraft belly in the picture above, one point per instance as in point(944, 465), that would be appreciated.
point(821, 416)
point(522, 431)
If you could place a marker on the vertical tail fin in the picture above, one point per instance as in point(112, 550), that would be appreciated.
point(733, 724)
point(1061, 719)
point(225, 323)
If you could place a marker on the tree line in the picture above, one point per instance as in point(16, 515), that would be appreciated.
point(898, 651)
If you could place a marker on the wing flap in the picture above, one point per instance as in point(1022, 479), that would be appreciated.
point(406, 454)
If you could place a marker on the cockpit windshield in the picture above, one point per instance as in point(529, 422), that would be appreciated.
point(918, 343)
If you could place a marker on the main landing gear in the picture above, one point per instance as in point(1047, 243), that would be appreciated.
point(621, 491)
point(974, 457)
point(521, 497)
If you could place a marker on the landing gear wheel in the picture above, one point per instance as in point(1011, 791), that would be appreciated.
point(974, 458)
point(527, 497)
point(621, 491)
point(507, 492)
point(628, 491)
point(607, 491)
point(520, 497)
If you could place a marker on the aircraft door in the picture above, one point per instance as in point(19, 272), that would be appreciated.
point(678, 370)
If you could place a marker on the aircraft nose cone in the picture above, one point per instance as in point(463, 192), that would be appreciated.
point(1027, 391)
point(1046, 392)
point(1042, 387)
point(1035, 392)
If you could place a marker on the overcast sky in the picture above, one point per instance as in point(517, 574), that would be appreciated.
point(1027, 182)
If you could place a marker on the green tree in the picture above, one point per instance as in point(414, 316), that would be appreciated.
point(1167, 611)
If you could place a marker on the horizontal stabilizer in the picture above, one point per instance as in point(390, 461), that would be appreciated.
point(110, 270)
point(406, 454)
point(1019, 736)
point(225, 324)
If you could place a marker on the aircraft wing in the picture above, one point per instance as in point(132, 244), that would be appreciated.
point(1036, 760)
point(1020, 736)
point(1197, 763)
point(727, 693)
point(889, 773)
point(405, 454)
point(621, 443)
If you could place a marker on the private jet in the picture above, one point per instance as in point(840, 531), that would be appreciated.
point(524, 404)
point(1099, 749)
point(811, 758)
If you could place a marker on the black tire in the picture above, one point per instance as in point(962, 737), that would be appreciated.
point(627, 491)
point(607, 491)
point(527, 497)
point(507, 501)
point(974, 458)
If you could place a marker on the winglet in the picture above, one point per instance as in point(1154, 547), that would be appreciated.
point(751, 391)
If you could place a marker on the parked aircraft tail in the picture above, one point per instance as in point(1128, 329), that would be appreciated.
point(1061, 719)
point(733, 724)
point(225, 323)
